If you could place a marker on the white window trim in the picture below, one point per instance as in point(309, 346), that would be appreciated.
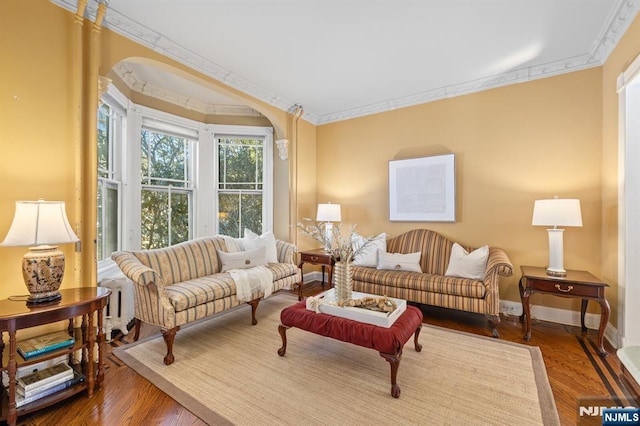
point(221, 130)
point(116, 101)
point(629, 203)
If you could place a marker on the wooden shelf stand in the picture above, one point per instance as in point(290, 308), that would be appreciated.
point(87, 303)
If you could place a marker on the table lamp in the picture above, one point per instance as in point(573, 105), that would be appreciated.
point(556, 212)
point(327, 214)
point(41, 225)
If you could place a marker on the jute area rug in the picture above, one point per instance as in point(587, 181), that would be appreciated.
point(228, 371)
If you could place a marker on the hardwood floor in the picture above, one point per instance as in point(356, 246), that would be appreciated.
point(573, 366)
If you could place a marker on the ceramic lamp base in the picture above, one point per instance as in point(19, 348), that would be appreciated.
point(42, 271)
point(31, 301)
point(554, 273)
point(556, 255)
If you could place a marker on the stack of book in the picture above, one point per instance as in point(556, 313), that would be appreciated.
point(44, 344)
point(45, 382)
point(32, 368)
point(43, 378)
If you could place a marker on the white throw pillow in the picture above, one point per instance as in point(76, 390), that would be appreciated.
point(399, 262)
point(242, 259)
point(233, 244)
point(369, 255)
point(267, 240)
point(463, 264)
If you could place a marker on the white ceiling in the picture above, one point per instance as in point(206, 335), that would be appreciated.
point(346, 58)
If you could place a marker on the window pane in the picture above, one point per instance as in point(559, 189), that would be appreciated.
point(104, 131)
point(156, 226)
point(155, 223)
point(107, 232)
point(179, 217)
point(252, 212)
point(100, 250)
point(228, 216)
point(111, 219)
point(238, 211)
point(240, 163)
point(164, 159)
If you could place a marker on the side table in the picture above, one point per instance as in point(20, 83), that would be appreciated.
point(580, 284)
point(316, 257)
point(85, 302)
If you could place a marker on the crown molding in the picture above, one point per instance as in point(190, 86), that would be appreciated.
point(131, 79)
point(622, 14)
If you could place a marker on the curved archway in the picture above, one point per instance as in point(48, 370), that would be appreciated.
point(164, 74)
point(188, 94)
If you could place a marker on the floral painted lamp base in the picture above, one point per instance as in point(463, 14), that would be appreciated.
point(42, 271)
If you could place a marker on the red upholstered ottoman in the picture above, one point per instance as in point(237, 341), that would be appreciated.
point(388, 341)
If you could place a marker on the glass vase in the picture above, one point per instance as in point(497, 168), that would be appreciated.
point(343, 282)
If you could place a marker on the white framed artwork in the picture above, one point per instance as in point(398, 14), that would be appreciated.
point(423, 189)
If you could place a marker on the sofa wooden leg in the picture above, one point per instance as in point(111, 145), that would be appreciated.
point(254, 308)
point(136, 333)
point(494, 320)
point(169, 336)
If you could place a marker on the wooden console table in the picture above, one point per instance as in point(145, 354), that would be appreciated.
point(316, 257)
point(580, 284)
point(76, 302)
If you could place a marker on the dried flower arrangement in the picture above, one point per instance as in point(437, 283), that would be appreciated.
point(340, 247)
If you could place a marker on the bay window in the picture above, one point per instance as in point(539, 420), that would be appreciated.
point(164, 179)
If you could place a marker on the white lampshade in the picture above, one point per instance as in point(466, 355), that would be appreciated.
point(41, 225)
point(39, 222)
point(328, 213)
point(557, 212)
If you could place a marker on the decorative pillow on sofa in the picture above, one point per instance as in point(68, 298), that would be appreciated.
point(267, 240)
point(233, 244)
point(399, 261)
point(463, 264)
point(369, 255)
point(242, 259)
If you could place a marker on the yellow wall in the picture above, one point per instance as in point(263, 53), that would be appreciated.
point(36, 149)
point(512, 145)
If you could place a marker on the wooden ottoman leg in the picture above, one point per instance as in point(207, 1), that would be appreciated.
point(417, 345)
point(169, 336)
point(282, 329)
point(394, 362)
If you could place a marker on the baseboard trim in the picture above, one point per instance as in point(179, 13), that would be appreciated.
point(563, 316)
point(313, 276)
point(542, 313)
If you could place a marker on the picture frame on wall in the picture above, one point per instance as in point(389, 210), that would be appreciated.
point(423, 189)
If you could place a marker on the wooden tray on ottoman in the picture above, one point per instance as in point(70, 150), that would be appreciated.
point(381, 319)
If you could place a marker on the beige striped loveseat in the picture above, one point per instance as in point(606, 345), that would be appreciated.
point(183, 283)
point(432, 287)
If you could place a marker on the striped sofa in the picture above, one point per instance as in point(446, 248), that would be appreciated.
point(432, 287)
point(183, 283)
